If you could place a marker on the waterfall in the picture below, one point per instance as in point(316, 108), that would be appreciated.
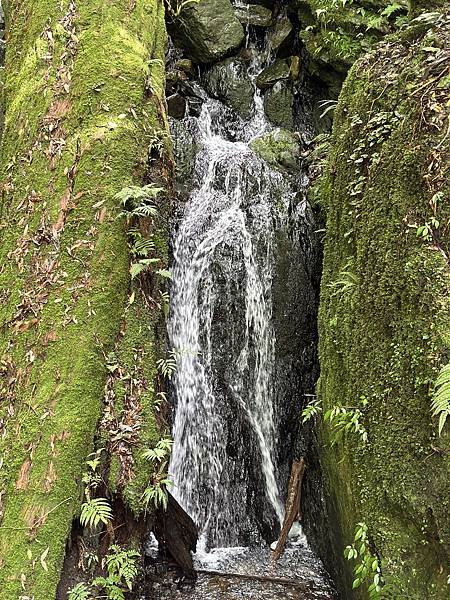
point(221, 329)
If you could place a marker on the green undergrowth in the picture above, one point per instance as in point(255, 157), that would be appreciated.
point(385, 337)
point(83, 102)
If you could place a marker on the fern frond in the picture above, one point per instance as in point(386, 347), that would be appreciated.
point(80, 592)
point(95, 511)
point(440, 401)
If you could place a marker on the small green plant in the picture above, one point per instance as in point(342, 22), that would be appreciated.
point(95, 511)
point(138, 201)
point(91, 478)
point(327, 106)
point(121, 568)
point(80, 592)
point(367, 569)
point(345, 420)
point(440, 402)
point(167, 366)
point(155, 493)
point(311, 410)
point(346, 284)
point(160, 452)
point(175, 7)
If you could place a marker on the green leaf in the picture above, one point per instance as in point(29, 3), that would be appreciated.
point(356, 583)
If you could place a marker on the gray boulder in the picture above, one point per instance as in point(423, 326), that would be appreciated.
point(280, 32)
point(228, 81)
point(278, 105)
point(208, 30)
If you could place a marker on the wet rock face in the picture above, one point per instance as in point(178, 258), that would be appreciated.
point(279, 70)
point(279, 105)
point(253, 14)
point(228, 81)
point(208, 30)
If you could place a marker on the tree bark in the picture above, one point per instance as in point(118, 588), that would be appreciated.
point(84, 101)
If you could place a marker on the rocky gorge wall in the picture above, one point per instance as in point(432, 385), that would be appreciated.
point(384, 309)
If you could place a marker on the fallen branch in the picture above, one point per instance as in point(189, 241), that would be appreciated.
point(293, 511)
point(268, 578)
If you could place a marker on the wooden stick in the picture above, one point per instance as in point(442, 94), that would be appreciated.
point(281, 580)
point(293, 511)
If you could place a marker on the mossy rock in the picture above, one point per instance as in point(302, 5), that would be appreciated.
point(279, 105)
point(279, 70)
point(280, 148)
point(253, 14)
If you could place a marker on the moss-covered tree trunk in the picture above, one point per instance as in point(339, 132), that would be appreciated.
point(83, 96)
point(384, 316)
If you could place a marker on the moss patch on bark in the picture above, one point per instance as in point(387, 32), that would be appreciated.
point(83, 96)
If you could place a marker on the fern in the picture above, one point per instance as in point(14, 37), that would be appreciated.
point(159, 452)
point(156, 494)
point(137, 268)
point(143, 247)
point(347, 283)
point(122, 564)
point(95, 511)
point(80, 592)
point(440, 401)
point(138, 201)
point(344, 420)
point(168, 366)
point(111, 585)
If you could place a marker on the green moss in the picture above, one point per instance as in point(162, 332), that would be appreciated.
point(387, 337)
point(75, 277)
point(337, 33)
point(279, 148)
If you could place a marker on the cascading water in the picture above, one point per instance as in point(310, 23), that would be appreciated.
point(222, 274)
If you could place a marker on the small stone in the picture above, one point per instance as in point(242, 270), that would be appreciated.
point(186, 65)
point(295, 67)
point(253, 14)
point(279, 70)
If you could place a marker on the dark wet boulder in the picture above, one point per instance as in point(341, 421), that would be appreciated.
point(208, 30)
point(280, 32)
point(228, 81)
point(278, 105)
point(279, 70)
